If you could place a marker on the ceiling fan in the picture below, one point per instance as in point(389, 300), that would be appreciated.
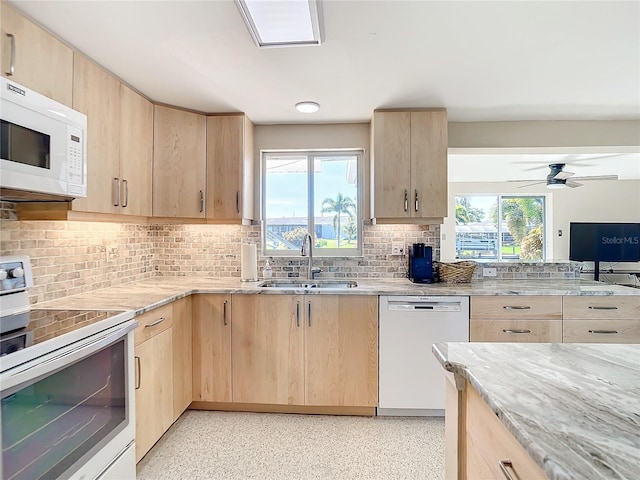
point(558, 178)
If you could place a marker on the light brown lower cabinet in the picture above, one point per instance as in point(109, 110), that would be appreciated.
point(154, 390)
point(211, 338)
point(182, 355)
point(520, 331)
point(601, 331)
point(313, 350)
point(490, 447)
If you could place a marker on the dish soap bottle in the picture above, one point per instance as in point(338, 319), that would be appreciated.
point(266, 271)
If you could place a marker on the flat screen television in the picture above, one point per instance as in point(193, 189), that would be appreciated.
point(604, 242)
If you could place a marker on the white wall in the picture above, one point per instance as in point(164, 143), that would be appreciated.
point(595, 201)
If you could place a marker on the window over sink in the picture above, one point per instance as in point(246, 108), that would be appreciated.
point(318, 192)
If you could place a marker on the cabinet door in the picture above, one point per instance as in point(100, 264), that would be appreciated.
point(229, 160)
point(429, 141)
point(182, 356)
point(136, 153)
point(341, 350)
point(97, 95)
point(391, 164)
point(267, 349)
point(601, 331)
point(212, 348)
point(41, 62)
point(179, 163)
point(154, 390)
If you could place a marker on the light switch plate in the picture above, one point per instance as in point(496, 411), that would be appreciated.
point(489, 272)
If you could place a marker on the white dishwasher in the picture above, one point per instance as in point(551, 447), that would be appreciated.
point(411, 381)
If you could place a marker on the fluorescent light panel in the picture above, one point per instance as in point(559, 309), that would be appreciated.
point(282, 23)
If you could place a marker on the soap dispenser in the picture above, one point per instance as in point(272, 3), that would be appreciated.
point(266, 271)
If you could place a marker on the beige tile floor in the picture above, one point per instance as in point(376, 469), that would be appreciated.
point(229, 445)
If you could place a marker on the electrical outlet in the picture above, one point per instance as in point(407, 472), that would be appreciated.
point(397, 248)
point(489, 272)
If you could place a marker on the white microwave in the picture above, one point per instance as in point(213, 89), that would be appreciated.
point(43, 147)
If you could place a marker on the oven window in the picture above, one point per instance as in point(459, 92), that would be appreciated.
point(23, 145)
point(48, 425)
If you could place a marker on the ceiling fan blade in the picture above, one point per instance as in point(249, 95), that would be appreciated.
point(572, 184)
point(596, 177)
point(526, 180)
point(563, 175)
point(532, 184)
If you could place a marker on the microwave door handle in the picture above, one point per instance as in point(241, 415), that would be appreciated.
point(39, 368)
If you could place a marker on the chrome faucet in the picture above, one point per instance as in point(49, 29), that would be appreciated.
point(309, 251)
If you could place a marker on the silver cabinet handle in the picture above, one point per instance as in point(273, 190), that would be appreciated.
point(504, 464)
point(201, 201)
point(516, 307)
point(12, 62)
point(224, 313)
point(603, 332)
point(297, 314)
point(238, 202)
point(417, 205)
point(602, 307)
point(511, 330)
point(138, 372)
point(309, 313)
point(116, 191)
point(126, 193)
point(154, 323)
point(406, 200)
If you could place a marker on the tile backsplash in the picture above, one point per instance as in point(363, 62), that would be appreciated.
point(75, 257)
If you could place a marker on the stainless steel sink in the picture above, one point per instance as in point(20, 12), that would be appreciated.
point(335, 284)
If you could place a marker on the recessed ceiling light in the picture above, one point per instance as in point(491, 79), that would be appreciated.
point(283, 23)
point(308, 107)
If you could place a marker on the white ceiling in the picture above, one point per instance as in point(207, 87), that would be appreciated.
point(482, 60)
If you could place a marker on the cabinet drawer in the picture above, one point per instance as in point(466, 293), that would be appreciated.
point(489, 442)
point(153, 322)
point(517, 307)
point(601, 331)
point(600, 306)
point(517, 331)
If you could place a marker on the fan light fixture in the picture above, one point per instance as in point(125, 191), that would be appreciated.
point(288, 23)
point(308, 107)
point(556, 186)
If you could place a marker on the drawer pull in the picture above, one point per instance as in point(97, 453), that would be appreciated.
point(603, 332)
point(516, 307)
point(154, 323)
point(511, 330)
point(504, 464)
point(603, 308)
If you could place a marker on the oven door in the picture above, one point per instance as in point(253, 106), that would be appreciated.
point(70, 413)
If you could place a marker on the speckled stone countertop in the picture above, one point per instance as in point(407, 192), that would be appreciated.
point(152, 293)
point(575, 408)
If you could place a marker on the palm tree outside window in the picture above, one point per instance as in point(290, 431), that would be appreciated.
point(312, 191)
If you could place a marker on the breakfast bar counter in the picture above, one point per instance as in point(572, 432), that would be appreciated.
point(574, 408)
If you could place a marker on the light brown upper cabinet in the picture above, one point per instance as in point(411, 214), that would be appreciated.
point(96, 93)
point(34, 58)
point(409, 166)
point(179, 163)
point(229, 197)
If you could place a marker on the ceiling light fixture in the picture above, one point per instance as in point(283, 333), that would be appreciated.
point(287, 23)
point(308, 107)
point(556, 186)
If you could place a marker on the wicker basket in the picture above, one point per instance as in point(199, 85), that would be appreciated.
point(456, 272)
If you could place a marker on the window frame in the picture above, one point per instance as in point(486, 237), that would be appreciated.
point(500, 197)
point(311, 154)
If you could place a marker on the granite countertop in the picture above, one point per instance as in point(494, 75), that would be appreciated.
point(575, 408)
point(151, 293)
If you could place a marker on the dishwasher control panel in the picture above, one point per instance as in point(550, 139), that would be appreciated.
point(424, 303)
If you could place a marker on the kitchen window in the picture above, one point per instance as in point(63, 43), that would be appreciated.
point(313, 191)
point(500, 227)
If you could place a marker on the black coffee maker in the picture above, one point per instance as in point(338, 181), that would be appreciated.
point(420, 263)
